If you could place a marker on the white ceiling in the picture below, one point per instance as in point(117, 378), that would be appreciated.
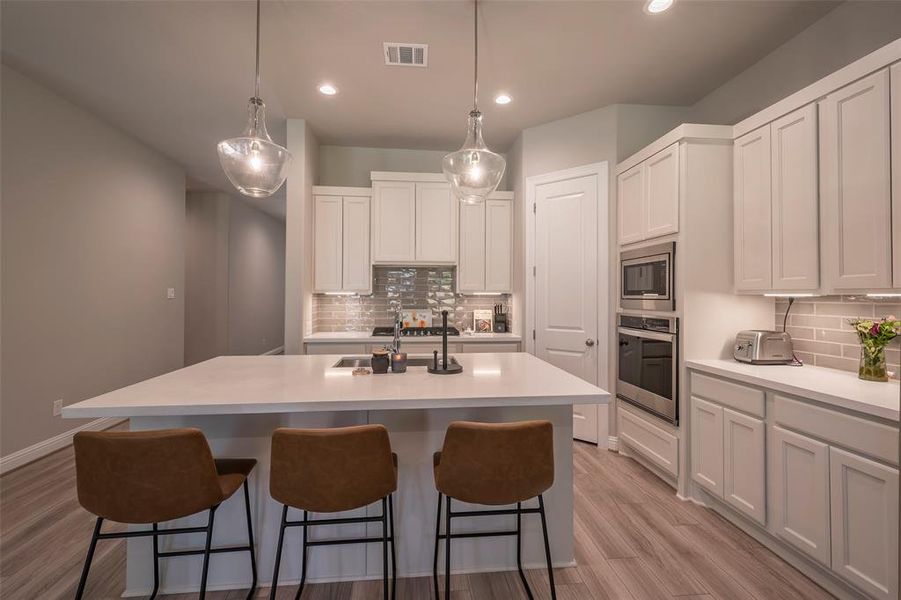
point(177, 75)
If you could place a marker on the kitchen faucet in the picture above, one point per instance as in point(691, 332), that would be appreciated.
point(398, 324)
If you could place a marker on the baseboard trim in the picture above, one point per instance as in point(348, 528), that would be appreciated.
point(279, 350)
point(613, 443)
point(32, 453)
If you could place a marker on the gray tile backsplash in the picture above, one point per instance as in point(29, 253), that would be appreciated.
point(821, 334)
point(407, 287)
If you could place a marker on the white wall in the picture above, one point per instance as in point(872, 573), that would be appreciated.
point(92, 237)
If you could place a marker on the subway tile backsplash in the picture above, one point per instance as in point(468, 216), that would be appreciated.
point(407, 287)
point(822, 336)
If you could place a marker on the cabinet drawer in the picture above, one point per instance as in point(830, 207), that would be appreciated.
point(653, 442)
point(869, 437)
point(729, 394)
point(480, 347)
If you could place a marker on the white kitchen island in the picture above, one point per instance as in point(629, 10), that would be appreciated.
point(239, 400)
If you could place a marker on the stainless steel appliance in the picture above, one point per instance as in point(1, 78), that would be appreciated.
point(647, 278)
point(648, 373)
point(763, 347)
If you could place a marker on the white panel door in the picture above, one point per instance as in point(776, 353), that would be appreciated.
point(865, 523)
point(631, 204)
point(753, 211)
point(896, 174)
point(662, 193)
point(707, 445)
point(393, 221)
point(471, 266)
point(436, 223)
point(856, 185)
point(357, 267)
point(327, 249)
point(744, 464)
point(566, 303)
point(796, 199)
point(800, 483)
point(498, 246)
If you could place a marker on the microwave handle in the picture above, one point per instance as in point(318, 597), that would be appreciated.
point(650, 335)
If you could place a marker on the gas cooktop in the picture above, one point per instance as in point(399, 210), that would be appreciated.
point(414, 331)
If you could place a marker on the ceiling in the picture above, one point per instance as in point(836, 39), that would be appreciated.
point(177, 75)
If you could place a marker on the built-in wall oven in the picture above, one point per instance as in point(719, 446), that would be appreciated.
point(648, 374)
point(647, 278)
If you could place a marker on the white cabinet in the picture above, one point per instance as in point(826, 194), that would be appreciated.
point(707, 445)
point(752, 180)
point(856, 185)
point(393, 222)
point(436, 223)
point(486, 247)
point(896, 174)
point(648, 197)
point(744, 464)
point(800, 480)
point(865, 523)
point(341, 244)
point(795, 197)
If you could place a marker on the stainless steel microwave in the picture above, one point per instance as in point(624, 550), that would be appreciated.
point(647, 278)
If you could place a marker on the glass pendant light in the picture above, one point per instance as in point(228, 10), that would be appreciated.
point(474, 171)
point(255, 164)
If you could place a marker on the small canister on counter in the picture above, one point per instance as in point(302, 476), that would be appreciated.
point(380, 360)
point(399, 362)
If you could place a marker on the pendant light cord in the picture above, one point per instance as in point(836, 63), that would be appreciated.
point(256, 88)
point(475, 83)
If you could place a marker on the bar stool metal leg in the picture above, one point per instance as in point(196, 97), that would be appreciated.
point(250, 542)
point(385, 548)
point(522, 574)
point(156, 562)
point(278, 552)
point(437, 539)
point(206, 553)
point(79, 593)
point(393, 549)
point(447, 542)
point(303, 559)
point(547, 547)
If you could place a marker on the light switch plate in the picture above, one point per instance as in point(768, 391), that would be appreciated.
point(170, 293)
point(57, 407)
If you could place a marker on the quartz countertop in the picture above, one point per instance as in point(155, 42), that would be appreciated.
point(829, 386)
point(366, 336)
point(234, 385)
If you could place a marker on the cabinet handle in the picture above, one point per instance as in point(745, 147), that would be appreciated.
point(589, 342)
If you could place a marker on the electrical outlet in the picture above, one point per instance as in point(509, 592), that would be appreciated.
point(57, 407)
point(170, 293)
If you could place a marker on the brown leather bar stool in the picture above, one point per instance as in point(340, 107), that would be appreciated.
point(329, 471)
point(494, 464)
point(156, 476)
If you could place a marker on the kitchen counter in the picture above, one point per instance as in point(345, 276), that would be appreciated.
point(829, 386)
point(366, 337)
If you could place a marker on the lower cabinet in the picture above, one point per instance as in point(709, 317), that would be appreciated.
point(800, 481)
point(707, 445)
point(864, 498)
point(412, 348)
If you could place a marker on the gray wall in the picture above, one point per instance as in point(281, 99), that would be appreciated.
point(843, 35)
point(92, 236)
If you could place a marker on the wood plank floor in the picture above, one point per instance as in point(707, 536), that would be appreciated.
point(634, 541)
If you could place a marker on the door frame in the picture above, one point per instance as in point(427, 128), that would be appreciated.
point(601, 171)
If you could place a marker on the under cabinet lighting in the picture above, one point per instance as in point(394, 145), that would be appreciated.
point(487, 294)
point(889, 295)
point(339, 293)
point(791, 295)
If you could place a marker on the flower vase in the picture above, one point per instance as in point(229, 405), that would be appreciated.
point(872, 364)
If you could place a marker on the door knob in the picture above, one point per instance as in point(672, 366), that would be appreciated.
point(589, 342)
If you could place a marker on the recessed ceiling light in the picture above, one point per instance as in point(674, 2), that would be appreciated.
point(328, 89)
point(503, 99)
point(654, 7)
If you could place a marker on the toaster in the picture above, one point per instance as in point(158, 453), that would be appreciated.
point(762, 347)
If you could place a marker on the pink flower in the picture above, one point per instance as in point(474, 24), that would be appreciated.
point(874, 330)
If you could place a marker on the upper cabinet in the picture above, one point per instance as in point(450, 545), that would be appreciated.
point(855, 149)
point(486, 247)
point(776, 205)
point(896, 174)
point(648, 197)
point(436, 223)
point(341, 240)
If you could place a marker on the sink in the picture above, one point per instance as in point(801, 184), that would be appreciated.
point(353, 362)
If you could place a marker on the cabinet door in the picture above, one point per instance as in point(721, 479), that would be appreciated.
point(865, 523)
point(796, 228)
point(471, 268)
point(801, 493)
point(393, 221)
point(662, 193)
point(436, 223)
point(744, 468)
point(356, 267)
point(630, 199)
point(856, 185)
point(707, 445)
point(896, 174)
point(753, 211)
point(327, 249)
point(498, 246)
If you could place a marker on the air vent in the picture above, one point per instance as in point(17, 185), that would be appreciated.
point(406, 55)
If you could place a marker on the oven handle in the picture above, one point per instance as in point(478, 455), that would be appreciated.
point(650, 335)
